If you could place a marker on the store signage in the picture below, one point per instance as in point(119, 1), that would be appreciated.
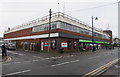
point(94, 41)
point(64, 44)
point(98, 42)
point(85, 41)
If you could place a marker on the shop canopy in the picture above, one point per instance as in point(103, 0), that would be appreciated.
point(89, 41)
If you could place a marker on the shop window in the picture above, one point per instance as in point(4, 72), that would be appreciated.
point(53, 44)
point(75, 44)
point(53, 26)
point(64, 44)
point(69, 43)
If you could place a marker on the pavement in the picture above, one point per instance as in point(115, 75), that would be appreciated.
point(113, 71)
point(55, 54)
point(37, 63)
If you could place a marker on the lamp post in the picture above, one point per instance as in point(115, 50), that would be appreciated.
point(93, 49)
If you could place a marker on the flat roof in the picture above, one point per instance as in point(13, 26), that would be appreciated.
point(55, 16)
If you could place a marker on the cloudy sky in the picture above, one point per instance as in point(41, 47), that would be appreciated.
point(14, 13)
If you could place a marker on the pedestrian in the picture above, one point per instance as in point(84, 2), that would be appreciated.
point(4, 52)
point(85, 48)
point(94, 48)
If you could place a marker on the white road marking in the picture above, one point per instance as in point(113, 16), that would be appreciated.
point(36, 56)
point(18, 72)
point(72, 55)
point(59, 57)
point(64, 63)
point(93, 57)
point(47, 58)
point(15, 53)
point(21, 54)
point(39, 57)
point(11, 63)
point(53, 57)
point(6, 64)
point(35, 60)
point(16, 62)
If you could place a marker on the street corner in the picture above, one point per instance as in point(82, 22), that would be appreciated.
point(5, 59)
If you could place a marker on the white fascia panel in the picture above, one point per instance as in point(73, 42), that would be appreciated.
point(32, 25)
point(35, 36)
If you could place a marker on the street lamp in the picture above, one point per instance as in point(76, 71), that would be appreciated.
point(93, 49)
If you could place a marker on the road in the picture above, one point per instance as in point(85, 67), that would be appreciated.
point(24, 63)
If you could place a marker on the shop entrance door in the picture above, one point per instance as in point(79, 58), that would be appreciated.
point(42, 46)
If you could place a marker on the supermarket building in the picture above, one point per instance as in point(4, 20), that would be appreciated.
point(66, 32)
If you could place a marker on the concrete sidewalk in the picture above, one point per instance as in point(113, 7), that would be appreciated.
point(113, 71)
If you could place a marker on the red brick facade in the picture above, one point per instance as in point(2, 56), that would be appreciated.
point(72, 44)
point(28, 32)
point(110, 33)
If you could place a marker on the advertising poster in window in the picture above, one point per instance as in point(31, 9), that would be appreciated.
point(64, 45)
point(46, 44)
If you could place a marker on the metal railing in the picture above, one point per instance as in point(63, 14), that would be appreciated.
point(54, 15)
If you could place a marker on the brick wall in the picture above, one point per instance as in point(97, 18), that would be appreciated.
point(28, 32)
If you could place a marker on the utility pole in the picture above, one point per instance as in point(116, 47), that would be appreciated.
point(92, 36)
point(49, 29)
point(93, 49)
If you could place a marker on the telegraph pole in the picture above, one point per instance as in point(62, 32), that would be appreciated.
point(92, 36)
point(49, 29)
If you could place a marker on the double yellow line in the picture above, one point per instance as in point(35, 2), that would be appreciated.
point(7, 60)
point(98, 70)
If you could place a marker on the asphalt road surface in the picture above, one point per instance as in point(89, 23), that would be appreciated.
point(24, 63)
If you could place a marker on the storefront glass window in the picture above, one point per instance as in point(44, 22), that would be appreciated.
point(66, 26)
point(69, 44)
point(73, 28)
point(44, 27)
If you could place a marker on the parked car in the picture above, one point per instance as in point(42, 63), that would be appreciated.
point(10, 45)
